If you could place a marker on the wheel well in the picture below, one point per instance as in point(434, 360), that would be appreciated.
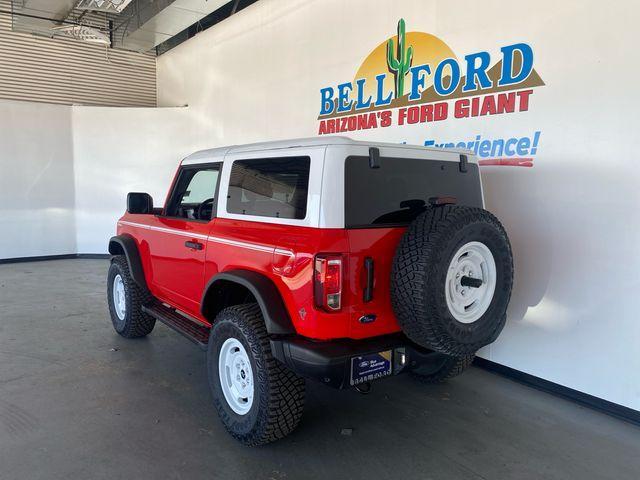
point(126, 245)
point(223, 294)
point(235, 287)
point(115, 248)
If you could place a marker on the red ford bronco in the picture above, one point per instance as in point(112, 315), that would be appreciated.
point(326, 259)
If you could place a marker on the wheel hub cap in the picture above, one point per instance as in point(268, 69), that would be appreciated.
point(474, 261)
point(236, 376)
point(119, 297)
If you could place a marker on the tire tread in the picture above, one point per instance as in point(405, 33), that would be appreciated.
point(283, 388)
point(139, 324)
point(419, 257)
point(452, 368)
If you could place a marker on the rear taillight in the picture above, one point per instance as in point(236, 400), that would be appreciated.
point(327, 280)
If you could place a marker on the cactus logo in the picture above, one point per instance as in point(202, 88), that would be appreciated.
point(415, 77)
point(400, 63)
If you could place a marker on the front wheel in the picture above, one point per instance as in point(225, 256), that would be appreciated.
point(258, 399)
point(125, 300)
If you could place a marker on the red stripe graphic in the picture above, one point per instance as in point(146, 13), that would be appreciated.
point(508, 162)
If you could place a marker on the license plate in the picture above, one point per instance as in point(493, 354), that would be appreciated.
point(370, 367)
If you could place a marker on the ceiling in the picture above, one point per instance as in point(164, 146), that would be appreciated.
point(57, 9)
point(142, 25)
point(34, 14)
point(147, 23)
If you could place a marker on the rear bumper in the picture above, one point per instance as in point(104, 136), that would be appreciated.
point(330, 362)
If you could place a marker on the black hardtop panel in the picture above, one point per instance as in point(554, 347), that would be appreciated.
point(402, 188)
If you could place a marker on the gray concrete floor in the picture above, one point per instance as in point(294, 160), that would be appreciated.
point(79, 402)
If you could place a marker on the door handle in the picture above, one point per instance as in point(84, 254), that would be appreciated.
point(194, 245)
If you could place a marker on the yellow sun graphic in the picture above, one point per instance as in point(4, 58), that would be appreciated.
point(427, 48)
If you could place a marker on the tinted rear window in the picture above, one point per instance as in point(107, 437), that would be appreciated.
point(270, 187)
point(399, 190)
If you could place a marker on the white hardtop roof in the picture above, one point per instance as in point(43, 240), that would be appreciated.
point(218, 154)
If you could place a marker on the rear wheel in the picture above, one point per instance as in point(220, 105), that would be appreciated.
point(257, 398)
point(452, 278)
point(125, 299)
point(440, 368)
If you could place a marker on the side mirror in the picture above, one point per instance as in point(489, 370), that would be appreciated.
point(140, 203)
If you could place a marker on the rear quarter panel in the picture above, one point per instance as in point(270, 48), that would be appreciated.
point(284, 253)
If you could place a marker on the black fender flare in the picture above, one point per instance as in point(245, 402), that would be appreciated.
point(126, 245)
point(276, 316)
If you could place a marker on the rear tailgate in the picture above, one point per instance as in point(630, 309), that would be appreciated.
point(371, 248)
point(379, 205)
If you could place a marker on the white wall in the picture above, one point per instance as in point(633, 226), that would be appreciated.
point(36, 180)
point(65, 171)
point(120, 150)
point(572, 217)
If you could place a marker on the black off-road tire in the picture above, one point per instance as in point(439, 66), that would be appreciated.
point(278, 399)
point(136, 323)
point(419, 273)
point(442, 368)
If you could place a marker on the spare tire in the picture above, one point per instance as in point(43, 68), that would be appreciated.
point(451, 279)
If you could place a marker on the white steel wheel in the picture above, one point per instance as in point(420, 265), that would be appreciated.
point(119, 297)
point(236, 376)
point(470, 282)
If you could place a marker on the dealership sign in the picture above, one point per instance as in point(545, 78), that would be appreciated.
point(415, 78)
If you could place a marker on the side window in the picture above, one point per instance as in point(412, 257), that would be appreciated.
point(193, 194)
point(270, 187)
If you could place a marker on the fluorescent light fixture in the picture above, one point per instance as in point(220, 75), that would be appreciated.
point(83, 33)
point(110, 6)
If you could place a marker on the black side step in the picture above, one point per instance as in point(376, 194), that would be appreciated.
point(197, 333)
